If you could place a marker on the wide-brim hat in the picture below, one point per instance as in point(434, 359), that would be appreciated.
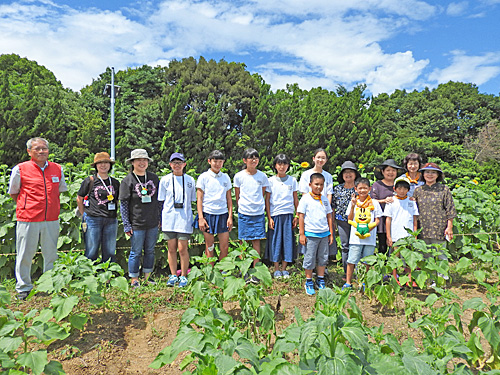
point(432, 167)
point(388, 163)
point(102, 157)
point(347, 165)
point(139, 153)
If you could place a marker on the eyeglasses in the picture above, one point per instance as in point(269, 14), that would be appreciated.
point(177, 162)
point(40, 149)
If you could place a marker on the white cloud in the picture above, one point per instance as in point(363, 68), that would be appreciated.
point(313, 43)
point(477, 69)
point(457, 9)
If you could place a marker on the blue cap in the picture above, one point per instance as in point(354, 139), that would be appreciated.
point(177, 155)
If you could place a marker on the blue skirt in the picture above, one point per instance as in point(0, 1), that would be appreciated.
point(280, 243)
point(251, 227)
point(216, 223)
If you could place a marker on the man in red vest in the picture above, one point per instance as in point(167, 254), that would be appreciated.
point(35, 185)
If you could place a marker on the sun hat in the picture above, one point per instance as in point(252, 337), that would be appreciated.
point(177, 155)
point(102, 157)
point(388, 163)
point(347, 165)
point(402, 179)
point(432, 167)
point(138, 153)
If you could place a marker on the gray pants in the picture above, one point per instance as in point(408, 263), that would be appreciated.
point(344, 229)
point(28, 236)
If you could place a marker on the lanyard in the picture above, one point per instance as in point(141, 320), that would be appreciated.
point(144, 190)
point(173, 188)
point(104, 184)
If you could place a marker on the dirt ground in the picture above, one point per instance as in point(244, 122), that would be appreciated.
point(119, 343)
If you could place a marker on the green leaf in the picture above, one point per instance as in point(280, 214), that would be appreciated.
point(266, 317)
point(483, 237)
point(355, 334)
point(490, 331)
point(232, 286)
point(121, 283)
point(96, 299)
point(247, 349)
point(463, 264)
point(417, 366)
point(4, 296)
point(36, 361)
point(10, 344)
point(189, 315)
point(480, 275)
point(78, 320)
point(9, 327)
point(54, 368)
point(474, 303)
point(63, 306)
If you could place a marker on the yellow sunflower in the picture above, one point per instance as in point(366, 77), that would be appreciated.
point(304, 164)
point(475, 182)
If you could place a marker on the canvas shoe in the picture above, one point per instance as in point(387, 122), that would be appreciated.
point(309, 286)
point(286, 274)
point(135, 284)
point(183, 281)
point(172, 280)
point(278, 274)
point(346, 286)
point(21, 296)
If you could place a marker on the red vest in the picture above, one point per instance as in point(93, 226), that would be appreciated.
point(38, 198)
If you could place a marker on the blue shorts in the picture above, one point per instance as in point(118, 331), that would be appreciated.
point(251, 227)
point(216, 223)
point(356, 252)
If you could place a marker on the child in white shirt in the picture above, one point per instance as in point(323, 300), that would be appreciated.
point(177, 190)
point(215, 205)
point(281, 203)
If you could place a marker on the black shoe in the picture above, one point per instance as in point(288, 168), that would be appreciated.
point(21, 296)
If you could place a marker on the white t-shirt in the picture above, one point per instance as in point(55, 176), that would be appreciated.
point(281, 199)
point(401, 212)
point(305, 179)
point(251, 200)
point(179, 220)
point(214, 187)
point(372, 240)
point(315, 212)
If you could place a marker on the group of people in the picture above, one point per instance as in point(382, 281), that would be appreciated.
point(411, 196)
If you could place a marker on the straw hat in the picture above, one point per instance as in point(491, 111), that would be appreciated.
point(102, 157)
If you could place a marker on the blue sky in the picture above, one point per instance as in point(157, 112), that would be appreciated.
point(385, 44)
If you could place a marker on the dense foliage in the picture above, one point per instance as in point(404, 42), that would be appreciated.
point(195, 106)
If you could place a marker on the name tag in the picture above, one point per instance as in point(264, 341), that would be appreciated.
point(146, 199)
point(55, 179)
point(111, 206)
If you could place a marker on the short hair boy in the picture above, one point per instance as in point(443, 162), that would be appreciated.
point(316, 231)
point(215, 205)
point(401, 214)
point(367, 213)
